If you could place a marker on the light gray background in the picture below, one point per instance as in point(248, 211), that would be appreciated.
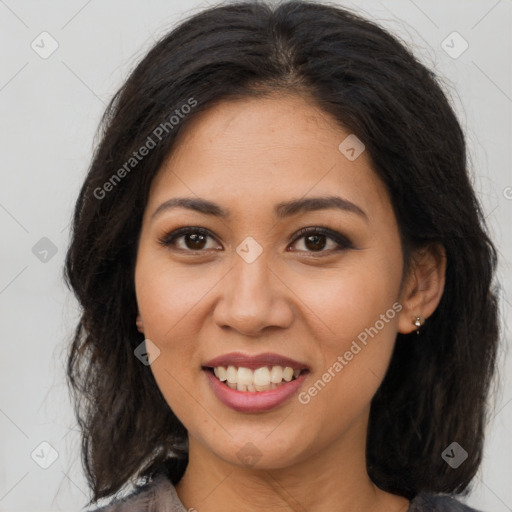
point(50, 109)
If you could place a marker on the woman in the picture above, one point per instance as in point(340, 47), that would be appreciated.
point(284, 273)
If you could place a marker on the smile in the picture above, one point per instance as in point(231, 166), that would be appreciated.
point(254, 383)
point(261, 379)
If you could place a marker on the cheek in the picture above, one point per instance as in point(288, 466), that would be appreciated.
point(356, 312)
point(346, 300)
point(354, 364)
point(167, 296)
point(166, 299)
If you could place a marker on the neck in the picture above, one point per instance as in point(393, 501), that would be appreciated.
point(334, 478)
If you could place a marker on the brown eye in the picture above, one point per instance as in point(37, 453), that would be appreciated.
point(194, 239)
point(316, 239)
point(315, 242)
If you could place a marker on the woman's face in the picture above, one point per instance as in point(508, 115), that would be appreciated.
point(250, 289)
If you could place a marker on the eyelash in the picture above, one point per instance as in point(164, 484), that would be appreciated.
point(342, 241)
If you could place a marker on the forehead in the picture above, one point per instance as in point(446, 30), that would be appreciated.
point(260, 150)
point(268, 128)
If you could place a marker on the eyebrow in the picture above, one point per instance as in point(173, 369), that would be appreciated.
point(282, 210)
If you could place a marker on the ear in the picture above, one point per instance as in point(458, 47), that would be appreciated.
point(423, 286)
point(138, 322)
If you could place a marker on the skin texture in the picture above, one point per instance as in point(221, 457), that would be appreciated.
point(307, 304)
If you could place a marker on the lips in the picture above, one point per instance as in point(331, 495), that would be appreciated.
point(254, 402)
point(254, 383)
point(239, 359)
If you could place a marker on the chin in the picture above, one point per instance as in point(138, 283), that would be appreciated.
point(258, 452)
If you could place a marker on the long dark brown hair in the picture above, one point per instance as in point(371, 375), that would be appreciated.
point(436, 389)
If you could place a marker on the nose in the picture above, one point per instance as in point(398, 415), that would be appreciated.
point(253, 298)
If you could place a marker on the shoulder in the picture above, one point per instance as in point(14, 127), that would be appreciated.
point(427, 502)
point(159, 495)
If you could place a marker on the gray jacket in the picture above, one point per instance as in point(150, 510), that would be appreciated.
point(160, 496)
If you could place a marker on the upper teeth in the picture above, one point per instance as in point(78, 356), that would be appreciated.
point(260, 379)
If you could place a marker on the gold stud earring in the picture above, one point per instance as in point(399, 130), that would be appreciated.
point(418, 322)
